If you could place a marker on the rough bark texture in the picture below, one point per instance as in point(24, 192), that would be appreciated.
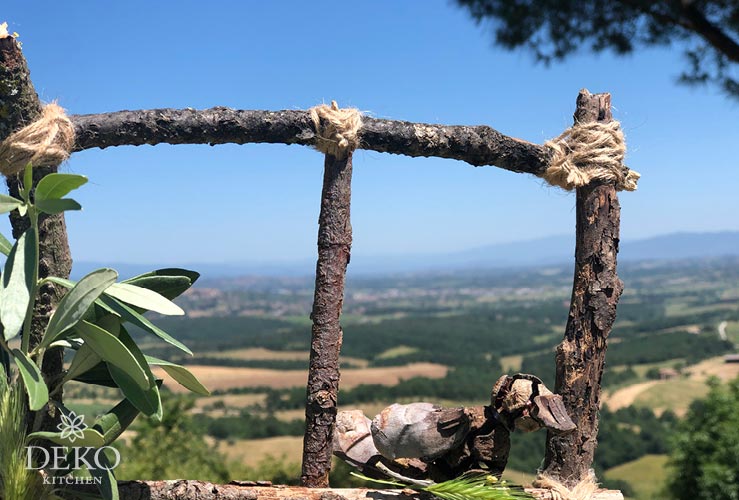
point(19, 106)
point(477, 146)
point(334, 246)
point(201, 490)
point(595, 293)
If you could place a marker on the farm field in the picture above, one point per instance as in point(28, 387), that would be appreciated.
point(252, 451)
point(645, 475)
point(260, 353)
point(677, 394)
point(226, 377)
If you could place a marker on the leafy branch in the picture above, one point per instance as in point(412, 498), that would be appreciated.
point(88, 321)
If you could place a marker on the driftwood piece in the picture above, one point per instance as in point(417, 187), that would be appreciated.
point(480, 145)
point(580, 357)
point(419, 430)
point(201, 490)
point(421, 441)
point(19, 106)
point(334, 247)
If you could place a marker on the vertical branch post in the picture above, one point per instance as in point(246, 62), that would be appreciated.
point(19, 106)
point(595, 293)
point(334, 246)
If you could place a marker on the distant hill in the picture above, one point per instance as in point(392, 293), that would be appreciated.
point(542, 251)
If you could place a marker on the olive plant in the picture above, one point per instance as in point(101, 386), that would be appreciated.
point(89, 323)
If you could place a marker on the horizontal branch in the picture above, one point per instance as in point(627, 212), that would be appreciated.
point(480, 145)
point(246, 490)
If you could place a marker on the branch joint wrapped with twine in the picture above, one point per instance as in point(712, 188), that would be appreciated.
point(47, 141)
point(587, 152)
point(337, 130)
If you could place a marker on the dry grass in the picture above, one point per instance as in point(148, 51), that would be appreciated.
point(225, 377)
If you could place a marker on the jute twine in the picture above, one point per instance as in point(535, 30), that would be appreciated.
point(587, 152)
point(47, 141)
point(584, 490)
point(337, 130)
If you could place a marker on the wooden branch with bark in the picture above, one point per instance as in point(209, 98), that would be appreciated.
point(19, 106)
point(580, 357)
point(478, 146)
point(334, 248)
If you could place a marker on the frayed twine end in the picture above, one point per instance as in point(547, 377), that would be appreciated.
point(587, 152)
point(337, 130)
point(47, 141)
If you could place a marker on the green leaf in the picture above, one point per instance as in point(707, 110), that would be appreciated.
point(98, 375)
point(112, 424)
point(8, 203)
point(151, 397)
point(55, 186)
point(27, 182)
point(135, 318)
point(38, 393)
point(90, 438)
point(166, 286)
point(181, 375)
point(18, 283)
point(5, 364)
point(110, 323)
point(70, 284)
point(147, 400)
point(57, 206)
point(143, 298)
point(85, 360)
point(107, 484)
point(5, 245)
point(113, 352)
point(169, 282)
point(67, 344)
point(74, 305)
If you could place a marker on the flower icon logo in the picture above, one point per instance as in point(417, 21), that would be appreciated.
point(72, 426)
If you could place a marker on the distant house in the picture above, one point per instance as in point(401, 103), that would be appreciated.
point(668, 373)
point(731, 358)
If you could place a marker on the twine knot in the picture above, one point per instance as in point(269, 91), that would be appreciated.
point(47, 141)
point(587, 152)
point(337, 130)
point(584, 490)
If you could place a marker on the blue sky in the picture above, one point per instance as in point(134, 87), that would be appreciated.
point(414, 60)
